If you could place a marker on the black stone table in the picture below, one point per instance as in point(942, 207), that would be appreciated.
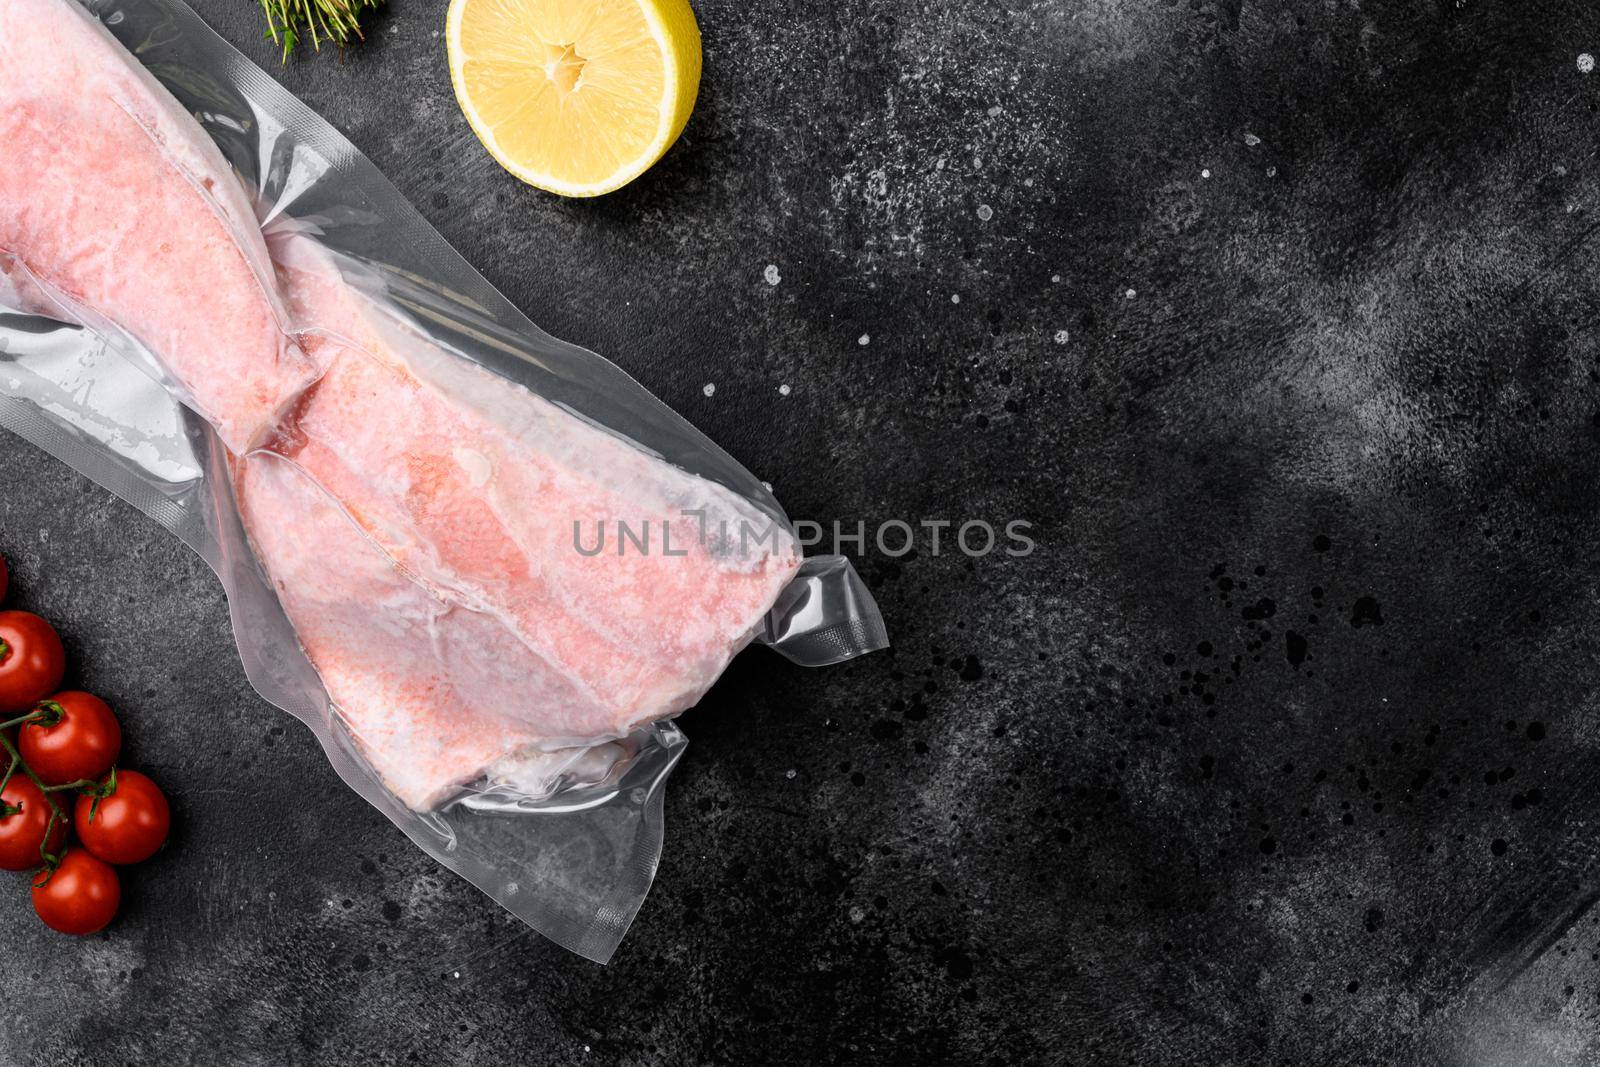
point(1279, 323)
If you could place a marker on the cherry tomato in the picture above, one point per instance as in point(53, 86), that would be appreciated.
point(128, 825)
point(83, 742)
point(31, 661)
point(22, 832)
point(82, 895)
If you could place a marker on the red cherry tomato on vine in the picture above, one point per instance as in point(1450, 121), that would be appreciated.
point(128, 824)
point(21, 833)
point(79, 738)
point(31, 660)
point(80, 896)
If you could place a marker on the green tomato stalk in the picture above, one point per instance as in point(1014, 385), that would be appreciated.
point(337, 21)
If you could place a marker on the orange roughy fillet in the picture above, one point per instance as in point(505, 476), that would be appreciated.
point(119, 205)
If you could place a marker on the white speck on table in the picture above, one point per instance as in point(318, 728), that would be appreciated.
point(1585, 63)
point(1062, 337)
point(1131, 293)
point(710, 389)
point(955, 298)
point(864, 340)
point(985, 212)
point(1205, 173)
point(1251, 139)
point(784, 390)
point(771, 274)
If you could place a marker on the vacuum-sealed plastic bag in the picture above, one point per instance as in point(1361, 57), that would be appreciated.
point(486, 567)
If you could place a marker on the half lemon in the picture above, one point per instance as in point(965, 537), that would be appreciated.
point(578, 97)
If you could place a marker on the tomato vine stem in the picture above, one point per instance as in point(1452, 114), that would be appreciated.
point(81, 783)
point(22, 720)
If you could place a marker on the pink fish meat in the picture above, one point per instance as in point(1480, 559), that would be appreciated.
point(474, 485)
point(417, 514)
point(408, 671)
point(463, 489)
point(116, 203)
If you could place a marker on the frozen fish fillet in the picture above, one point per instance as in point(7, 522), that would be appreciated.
point(472, 486)
point(415, 512)
point(114, 201)
point(411, 674)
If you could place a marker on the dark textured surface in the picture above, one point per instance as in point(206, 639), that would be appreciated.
point(1278, 322)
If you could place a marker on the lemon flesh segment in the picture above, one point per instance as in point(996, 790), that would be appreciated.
point(575, 96)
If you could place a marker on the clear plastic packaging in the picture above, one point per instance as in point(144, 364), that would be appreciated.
point(566, 832)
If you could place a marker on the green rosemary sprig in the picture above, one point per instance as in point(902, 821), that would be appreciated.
point(337, 21)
